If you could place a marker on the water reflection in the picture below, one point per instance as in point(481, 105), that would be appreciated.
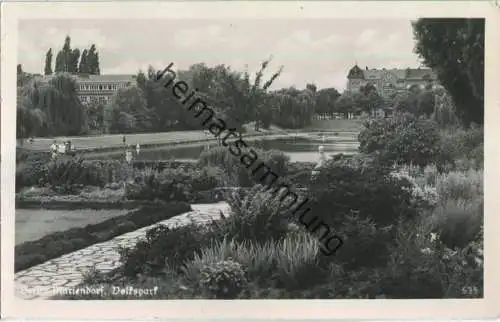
point(299, 147)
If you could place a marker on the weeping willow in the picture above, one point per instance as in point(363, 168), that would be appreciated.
point(49, 109)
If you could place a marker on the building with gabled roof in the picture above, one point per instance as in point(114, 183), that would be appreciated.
point(389, 81)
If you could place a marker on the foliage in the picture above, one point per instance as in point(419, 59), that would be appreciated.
point(416, 102)
point(162, 248)
point(128, 112)
point(457, 185)
point(174, 184)
point(50, 108)
point(402, 139)
point(48, 62)
point(67, 60)
point(343, 186)
point(64, 173)
point(325, 100)
point(462, 144)
point(292, 108)
point(291, 264)
point(259, 216)
point(454, 49)
point(223, 280)
point(57, 244)
point(237, 174)
point(422, 267)
point(30, 174)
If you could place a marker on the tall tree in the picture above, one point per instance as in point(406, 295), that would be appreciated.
point(325, 100)
point(92, 61)
point(83, 68)
point(128, 112)
point(454, 49)
point(64, 57)
point(74, 57)
point(59, 63)
point(48, 62)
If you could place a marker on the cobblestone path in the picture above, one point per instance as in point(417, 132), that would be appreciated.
point(38, 282)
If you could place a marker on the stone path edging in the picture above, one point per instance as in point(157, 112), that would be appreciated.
point(42, 281)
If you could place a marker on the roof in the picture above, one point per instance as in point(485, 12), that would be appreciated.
point(401, 73)
point(98, 78)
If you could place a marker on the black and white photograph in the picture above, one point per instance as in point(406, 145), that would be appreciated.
point(247, 156)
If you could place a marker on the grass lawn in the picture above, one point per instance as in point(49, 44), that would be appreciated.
point(116, 140)
point(33, 224)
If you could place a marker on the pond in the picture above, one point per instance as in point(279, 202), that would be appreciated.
point(298, 146)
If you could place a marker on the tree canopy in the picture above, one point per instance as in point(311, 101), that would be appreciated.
point(454, 49)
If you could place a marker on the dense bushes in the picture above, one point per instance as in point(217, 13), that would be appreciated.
point(458, 145)
point(402, 139)
point(164, 246)
point(57, 244)
point(35, 169)
point(237, 173)
point(361, 203)
point(174, 184)
point(342, 187)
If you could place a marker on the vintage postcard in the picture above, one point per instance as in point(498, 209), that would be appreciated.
point(266, 159)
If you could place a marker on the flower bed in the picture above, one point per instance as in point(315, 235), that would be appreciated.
point(399, 242)
point(57, 244)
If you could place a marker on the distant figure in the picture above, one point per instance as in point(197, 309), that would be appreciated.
point(124, 140)
point(30, 140)
point(53, 149)
point(61, 148)
point(137, 148)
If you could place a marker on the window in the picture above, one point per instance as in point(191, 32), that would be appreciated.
point(100, 87)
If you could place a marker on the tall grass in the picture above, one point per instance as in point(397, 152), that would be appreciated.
point(292, 263)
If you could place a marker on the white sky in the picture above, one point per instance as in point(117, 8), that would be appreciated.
point(311, 50)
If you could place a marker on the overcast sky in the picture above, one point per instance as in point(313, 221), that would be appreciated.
point(311, 50)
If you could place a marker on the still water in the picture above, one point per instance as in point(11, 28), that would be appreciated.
point(299, 147)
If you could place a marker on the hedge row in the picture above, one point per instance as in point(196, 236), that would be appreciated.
point(32, 253)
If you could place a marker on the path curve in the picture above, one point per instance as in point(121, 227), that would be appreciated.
point(39, 282)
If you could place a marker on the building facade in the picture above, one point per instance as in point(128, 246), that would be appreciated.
point(390, 81)
point(99, 88)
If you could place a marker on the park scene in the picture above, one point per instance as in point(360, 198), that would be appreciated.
point(119, 185)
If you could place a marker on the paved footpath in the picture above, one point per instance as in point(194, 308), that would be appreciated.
point(38, 282)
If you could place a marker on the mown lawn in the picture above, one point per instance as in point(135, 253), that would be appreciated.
point(33, 224)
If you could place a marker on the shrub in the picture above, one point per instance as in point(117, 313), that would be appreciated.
point(457, 221)
point(401, 139)
point(372, 192)
point(173, 184)
point(237, 174)
point(422, 267)
point(223, 280)
point(57, 244)
point(258, 217)
point(456, 185)
point(462, 144)
point(68, 172)
point(29, 174)
point(365, 243)
point(162, 248)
